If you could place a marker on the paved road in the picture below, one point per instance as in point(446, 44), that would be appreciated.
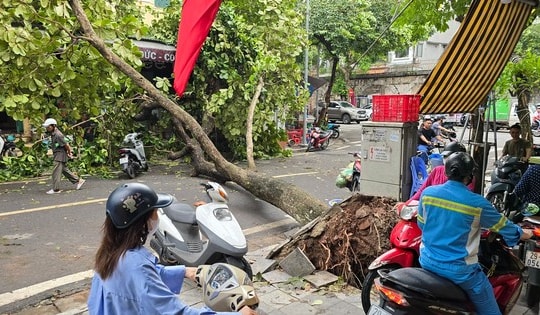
point(45, 237)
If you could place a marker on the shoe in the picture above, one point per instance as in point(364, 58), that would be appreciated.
point(52, 192)
point(80, 183)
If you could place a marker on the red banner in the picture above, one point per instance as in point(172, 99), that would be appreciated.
point(195, 22)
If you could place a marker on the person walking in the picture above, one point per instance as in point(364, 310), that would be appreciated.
point(127, 278)
point(61, 153)
point(455, 255)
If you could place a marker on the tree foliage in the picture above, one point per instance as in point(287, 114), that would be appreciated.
point(249, 40)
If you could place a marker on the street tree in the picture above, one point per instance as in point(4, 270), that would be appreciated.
point(294, 201)
point(521, 76)
point(247, 77)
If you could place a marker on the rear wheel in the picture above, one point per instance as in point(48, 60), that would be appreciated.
point(130, 170)
point(325, 144)
point(532, 295)
point(335, 133)
point(370, 295)
point(355, 185)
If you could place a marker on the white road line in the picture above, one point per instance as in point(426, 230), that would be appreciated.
point(23, 293)
point(5, 214)
point(343, 147)
point(32, 290)
point(295, 174)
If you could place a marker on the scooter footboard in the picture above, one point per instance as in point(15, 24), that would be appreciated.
point(402, 257)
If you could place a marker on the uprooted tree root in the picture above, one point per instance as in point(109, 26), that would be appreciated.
point(346, 239)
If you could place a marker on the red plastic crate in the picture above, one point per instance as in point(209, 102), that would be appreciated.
point(396, 108)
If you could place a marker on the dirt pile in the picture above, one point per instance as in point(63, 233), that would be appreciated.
point(346, 239)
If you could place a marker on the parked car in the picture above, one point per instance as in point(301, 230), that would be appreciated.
point(345, 112)
point(369, 110)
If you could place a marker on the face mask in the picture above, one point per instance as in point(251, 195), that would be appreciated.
point(152, 226)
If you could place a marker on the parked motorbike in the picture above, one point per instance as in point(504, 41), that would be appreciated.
point(226, 288)
point(132, 155)
point(335, 130)
point(206, 234)
point(7, 146)
point(318, 139)
point(504, 178)
point(418, 291)
point(405, 241)
point(350, 176)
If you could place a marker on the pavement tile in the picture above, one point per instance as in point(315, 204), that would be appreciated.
point(321, 278)
point(277, 299)
point(276, 276)
point(300, 308)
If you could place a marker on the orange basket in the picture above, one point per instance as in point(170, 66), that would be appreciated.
point(396, 108)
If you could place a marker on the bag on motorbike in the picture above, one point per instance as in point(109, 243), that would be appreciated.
point(341, 182)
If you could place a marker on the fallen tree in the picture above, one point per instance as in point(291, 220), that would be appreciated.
point(347, 238)
point(289, 198)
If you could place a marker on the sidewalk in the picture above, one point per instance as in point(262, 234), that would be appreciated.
point(279, 294)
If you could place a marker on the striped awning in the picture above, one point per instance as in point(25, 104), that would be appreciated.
point(476, 56)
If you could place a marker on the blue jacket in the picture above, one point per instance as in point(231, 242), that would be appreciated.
point(141, 286)
point(451, 218)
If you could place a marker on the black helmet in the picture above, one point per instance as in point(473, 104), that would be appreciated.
point(458, 166)
point(453, 147)
point(130, 201)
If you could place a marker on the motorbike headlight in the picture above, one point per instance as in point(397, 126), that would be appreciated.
point(223, 214)
point(220, 277)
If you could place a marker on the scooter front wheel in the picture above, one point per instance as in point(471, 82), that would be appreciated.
point(370, 295)
point(241, 263)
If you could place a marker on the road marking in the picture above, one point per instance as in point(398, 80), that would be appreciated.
point(5, 214)
point(343, 147)
point(23, 293)
point(295, 174)
point(32, 290)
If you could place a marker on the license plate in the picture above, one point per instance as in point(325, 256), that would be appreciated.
point(377, 310)
point(532, 259)
point(123, 160)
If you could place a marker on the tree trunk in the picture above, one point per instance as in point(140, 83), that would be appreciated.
point(289, 198)
point(249, 125)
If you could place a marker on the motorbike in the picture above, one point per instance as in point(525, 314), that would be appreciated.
point(504, 178)
point(350, 176)
point(405, 240)
point(206, 234)
point(418, 291)
point(335, 130)
point(226, 288)
point(7, 146)
point(318, 139)
point(132, 155)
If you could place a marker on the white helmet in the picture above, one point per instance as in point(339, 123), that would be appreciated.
point(48, 122)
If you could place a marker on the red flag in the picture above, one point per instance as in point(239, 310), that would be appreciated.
point(195, 22)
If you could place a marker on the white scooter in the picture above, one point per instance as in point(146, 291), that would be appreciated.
point(132, 156)
point(200, 236)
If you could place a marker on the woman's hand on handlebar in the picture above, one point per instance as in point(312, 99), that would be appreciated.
point(246, 310)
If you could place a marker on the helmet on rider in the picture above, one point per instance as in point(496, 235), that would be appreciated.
point(48, 122)
point(459, 166)
point(453, 147)
point(130, 201)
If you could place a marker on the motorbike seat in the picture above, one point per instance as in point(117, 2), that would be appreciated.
point(427, 283)
point(181, 212)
